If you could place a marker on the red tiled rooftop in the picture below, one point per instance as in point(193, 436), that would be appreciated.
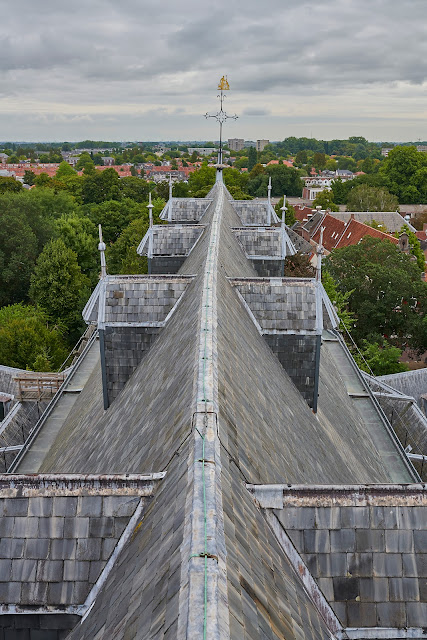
point(333, 229)
point(356, 230)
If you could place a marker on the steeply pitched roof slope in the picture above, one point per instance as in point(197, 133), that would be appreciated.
point(211, 405)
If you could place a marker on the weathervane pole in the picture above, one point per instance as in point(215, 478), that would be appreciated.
point(220, 116)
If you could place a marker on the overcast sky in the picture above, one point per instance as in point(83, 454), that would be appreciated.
point(148, 70)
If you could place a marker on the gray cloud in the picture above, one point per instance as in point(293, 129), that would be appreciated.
point(155, 67)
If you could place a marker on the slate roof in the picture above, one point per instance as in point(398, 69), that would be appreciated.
point(211, 407)
point(366, 548)
point(392, 220)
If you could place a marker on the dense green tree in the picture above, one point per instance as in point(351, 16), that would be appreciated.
point(28, 340)
point(43, 180)
point(283, 179)
point(40, 208)
point(331, 164)
point(379, 358)
point(340, 190)
point(256, 171)
point(301, 157)
point(404, 172)
point(200, 182)
point(242, 162)
point(365, 198)
point(18, 252)
point(369, 165)
point(387, 293)
point(346, 163)
point(29, 177)
point(325, 200)
point(100, 186)
point(9, 184)
point(414, 244)
point(340, 300)
point(252, 158)
point(65, 171)
point(319, 160)
point(114, 216)
point(59, 287)
point(134, 188)
point(180, 190)
point(83, 161)
point(121, 256)
point(162, 189)
point(80, 234)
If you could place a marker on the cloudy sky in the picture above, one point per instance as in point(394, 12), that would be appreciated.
point(148, 70)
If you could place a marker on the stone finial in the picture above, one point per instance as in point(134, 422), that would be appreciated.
point(150, 207)
point(269, 190)
point(101, 249)
point(170, 186)
point(284, 210)
point(320, 251)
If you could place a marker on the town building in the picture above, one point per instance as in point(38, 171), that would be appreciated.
point(261, 144)
point(202, 151)
point(236, 144)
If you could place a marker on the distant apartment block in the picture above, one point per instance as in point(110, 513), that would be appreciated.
point(236, 144)
point(261, 144)
point(422, 148)
point(385, 151)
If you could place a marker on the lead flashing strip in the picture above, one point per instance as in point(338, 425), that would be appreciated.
point(72, 484)
point(279, 496)
point(383, 633)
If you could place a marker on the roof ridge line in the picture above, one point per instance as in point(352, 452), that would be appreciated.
point(204, 555)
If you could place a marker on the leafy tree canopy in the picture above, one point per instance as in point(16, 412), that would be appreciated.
point(84, 160)
point(414, 245)
point(387, 295)
point(365, 198)
point(379, 358)
point(18, 252)
point(325, 199)
point(114, 216)
point(65, 171)
point(100, 186)
point(39, 208)
point(80, 234)
point(28, 340)
point(58, 285)
point(9, 184)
